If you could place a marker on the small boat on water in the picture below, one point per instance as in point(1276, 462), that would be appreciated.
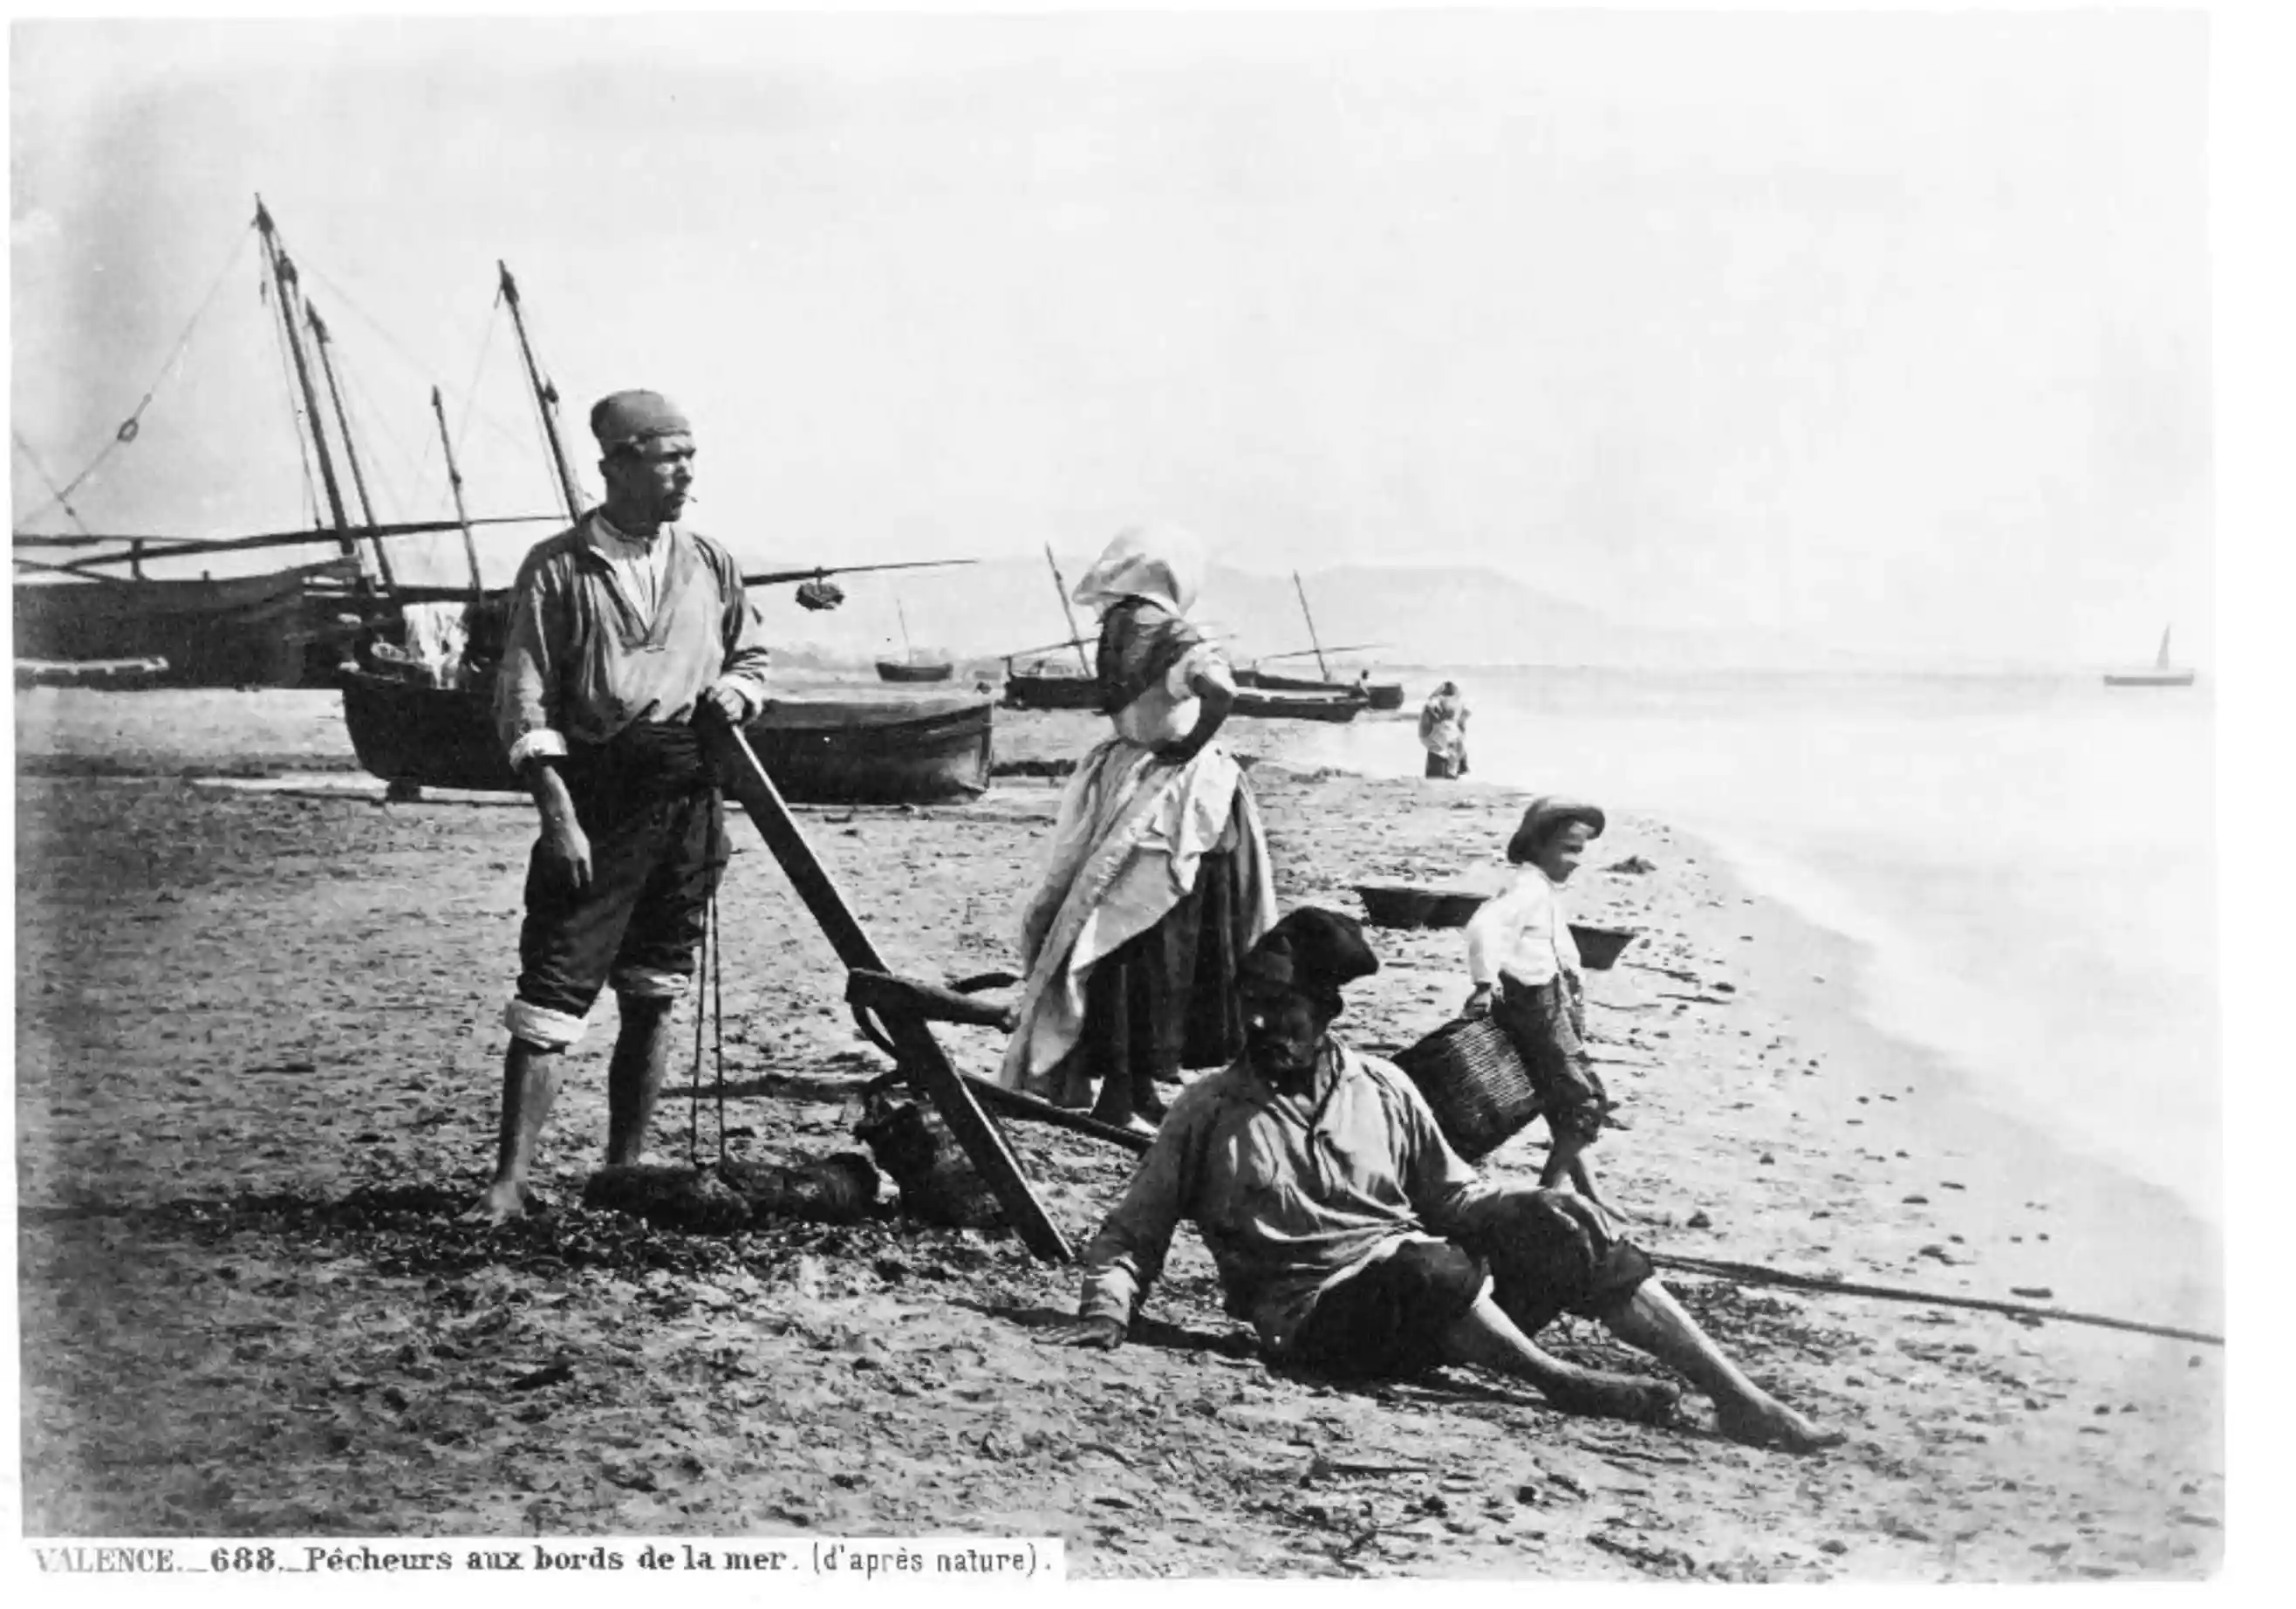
point(854, 748)
point(914, 670)
point(2160, 673)
point(909, 668)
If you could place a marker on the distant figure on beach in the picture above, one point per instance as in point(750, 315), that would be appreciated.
point(1443, 731)
point(1524, 966)
point(1157, 877)
point(1359, 1244)
point(623, 629)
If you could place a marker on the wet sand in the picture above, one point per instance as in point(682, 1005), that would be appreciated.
point(258, 1048)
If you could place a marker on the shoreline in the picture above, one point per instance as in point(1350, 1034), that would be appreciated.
point(157, 1141)
point(1812, 977)
point(2116, 1242)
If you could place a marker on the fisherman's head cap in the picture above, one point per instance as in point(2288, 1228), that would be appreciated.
point(627, 418)
point(1311, 951)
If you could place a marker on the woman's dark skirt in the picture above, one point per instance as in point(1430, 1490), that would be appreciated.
point(1166, 999)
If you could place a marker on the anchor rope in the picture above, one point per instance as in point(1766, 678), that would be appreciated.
point(709, 1014)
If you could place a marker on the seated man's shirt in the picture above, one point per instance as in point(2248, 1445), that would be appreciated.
point(1289, 1193)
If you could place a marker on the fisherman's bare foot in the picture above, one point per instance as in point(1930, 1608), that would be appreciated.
point(1772, 1423)
point(505, 1200)
point(1633, 1398)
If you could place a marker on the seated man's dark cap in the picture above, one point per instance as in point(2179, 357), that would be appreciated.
point(1315, 952)
point(627, 418)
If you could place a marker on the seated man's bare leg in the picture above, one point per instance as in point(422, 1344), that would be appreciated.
point(529, 1085)
point(1488, 1339)
point(1652, 1320)
point(634, 1077)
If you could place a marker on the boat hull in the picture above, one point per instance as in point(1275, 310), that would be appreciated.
point(2148, 678)
point(281, 629)
point(1259, 704)
point(1377, 695)
point(818, 751)
point(1252, 703)
point(898, 670)
point(1026, 691)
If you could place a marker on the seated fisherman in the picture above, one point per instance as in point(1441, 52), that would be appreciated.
point(1356, 1240)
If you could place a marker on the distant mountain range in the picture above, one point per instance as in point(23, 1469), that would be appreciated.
point(1431, 616)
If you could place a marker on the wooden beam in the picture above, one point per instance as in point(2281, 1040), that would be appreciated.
point(920, 1055)
point(885, 993)
point(1018, 1103)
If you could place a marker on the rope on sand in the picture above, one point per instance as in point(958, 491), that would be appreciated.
point(1749, 1273)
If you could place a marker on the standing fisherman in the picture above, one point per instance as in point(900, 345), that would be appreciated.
point(622, 629)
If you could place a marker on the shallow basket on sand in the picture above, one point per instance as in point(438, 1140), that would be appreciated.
point(1400, 905)
point(1599, 946)
point(1474, 1082)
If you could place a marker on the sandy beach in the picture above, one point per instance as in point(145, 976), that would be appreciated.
point(257, 1052)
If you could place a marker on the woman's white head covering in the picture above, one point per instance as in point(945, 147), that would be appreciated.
point(1162, 563)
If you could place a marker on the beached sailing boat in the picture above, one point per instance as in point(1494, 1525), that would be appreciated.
point(1376, 695)
point(77, 621)
point(1044, 684)
point(854, 748)
point(2160, 673)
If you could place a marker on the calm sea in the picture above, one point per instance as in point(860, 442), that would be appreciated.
point(2027, 858)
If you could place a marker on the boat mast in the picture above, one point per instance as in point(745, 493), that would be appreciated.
point(283, 283)
point(343, 422)
point(2163, 661)
point(545, 397)
point(1321, 668)
point(455, 482)
point(908, 650)
point(1062, 588)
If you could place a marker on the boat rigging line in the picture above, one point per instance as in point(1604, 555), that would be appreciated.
point(130, 427)
point(46, 480)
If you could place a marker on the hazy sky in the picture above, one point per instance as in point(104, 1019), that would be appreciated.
point(1889, 331)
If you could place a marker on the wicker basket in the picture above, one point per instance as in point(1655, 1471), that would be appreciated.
point(1475, 1083)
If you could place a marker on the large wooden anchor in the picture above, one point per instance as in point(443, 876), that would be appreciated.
point(897, 1013)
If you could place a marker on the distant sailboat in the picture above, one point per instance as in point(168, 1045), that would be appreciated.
point(2158, 674)
point(909, 668)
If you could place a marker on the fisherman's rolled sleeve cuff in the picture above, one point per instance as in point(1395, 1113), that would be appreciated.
point(749, 689)
point(539, 1025)
point(541, 743)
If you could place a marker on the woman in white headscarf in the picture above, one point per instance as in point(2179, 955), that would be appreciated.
point(1156, 880)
